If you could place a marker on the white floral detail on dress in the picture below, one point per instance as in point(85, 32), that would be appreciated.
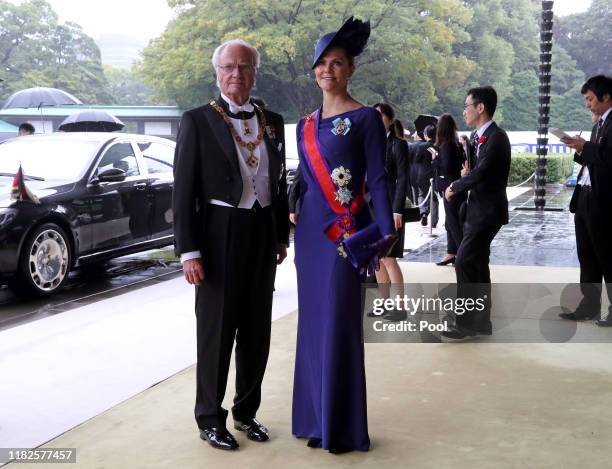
point(341, 177)
point(341, 126)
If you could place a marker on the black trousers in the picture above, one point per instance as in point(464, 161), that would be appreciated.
point(428, 207)
point(473, 274)
point(594, 246)
point(453, 225)
point(234, 303)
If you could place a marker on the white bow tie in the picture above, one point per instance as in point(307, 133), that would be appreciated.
point(235, 109)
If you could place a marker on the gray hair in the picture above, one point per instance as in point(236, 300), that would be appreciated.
point(235, 42)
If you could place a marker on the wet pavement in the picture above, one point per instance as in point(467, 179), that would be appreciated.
point(530, 239)
point(90, 285)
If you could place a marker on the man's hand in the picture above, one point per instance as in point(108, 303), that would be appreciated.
point(194, 271)
point(448, 193)
point(465, 170)
point(576, 142)
point(281, 253)
point(398, 220)
point(293, 218)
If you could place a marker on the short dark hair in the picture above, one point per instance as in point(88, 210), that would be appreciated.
point(485, 95)
point(385, 109)
point(600, 85)
point(430, 132)
point(27, 127)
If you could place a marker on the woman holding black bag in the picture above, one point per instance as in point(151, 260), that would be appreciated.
point(447, 168)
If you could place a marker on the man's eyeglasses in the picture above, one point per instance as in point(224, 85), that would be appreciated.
point(242, 68)
point(471, 104)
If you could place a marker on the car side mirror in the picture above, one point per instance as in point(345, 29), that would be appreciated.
point(112, 175)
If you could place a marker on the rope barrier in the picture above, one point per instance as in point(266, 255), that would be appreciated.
point(525, 181)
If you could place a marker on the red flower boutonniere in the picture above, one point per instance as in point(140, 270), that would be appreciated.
point(482, 140)
point(271, 131)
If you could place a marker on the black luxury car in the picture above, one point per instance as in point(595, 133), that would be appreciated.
point(101, 195)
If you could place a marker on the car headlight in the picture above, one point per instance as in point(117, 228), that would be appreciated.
point(7, 215)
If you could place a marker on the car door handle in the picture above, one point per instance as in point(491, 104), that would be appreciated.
point(141, 186)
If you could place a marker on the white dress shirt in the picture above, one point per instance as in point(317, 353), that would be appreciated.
point(585, 178)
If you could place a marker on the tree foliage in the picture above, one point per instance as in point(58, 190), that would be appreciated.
point(127, 88)
point(587, 37)
point(35, 50)
point(409, 57)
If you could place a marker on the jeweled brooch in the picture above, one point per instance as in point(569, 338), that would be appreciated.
point(341, 126)
point(341, 177)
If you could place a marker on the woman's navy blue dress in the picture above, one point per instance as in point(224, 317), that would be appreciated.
point(329, 393)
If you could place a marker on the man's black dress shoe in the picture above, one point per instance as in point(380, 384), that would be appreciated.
point(314, 442)
point(254, 430)
point(461, 333)
point(575, 316)
point(424, 220)
point(395, 315)
point(219, 438)
point(450, 260)
point(605, 323)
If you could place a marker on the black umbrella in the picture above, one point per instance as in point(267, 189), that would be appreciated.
point(422, 121)
point(90, 120)
point(39, 97)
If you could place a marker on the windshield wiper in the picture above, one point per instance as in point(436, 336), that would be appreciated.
point(25, 176)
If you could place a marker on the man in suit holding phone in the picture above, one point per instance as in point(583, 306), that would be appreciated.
point(487, 210)
point(591, 203)
point(231, 229)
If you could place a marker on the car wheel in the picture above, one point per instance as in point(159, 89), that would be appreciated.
point(45, 260)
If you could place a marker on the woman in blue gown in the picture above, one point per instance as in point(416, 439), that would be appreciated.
point(329, 394)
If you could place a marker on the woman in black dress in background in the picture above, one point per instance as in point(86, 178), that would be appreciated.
point(447, 168)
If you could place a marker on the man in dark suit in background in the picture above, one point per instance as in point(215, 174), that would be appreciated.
point(487, 209)
point(231, 229)
point(592, 203)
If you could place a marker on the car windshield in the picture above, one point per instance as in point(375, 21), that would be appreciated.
point(46, 158)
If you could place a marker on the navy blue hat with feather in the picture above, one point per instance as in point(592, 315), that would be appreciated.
point(352, 37)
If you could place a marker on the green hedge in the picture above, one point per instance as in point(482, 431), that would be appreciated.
point(558, 168)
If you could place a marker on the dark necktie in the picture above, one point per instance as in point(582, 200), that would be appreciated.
point(475, 143)
point(599, 127)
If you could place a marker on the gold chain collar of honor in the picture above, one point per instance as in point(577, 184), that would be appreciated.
point(250, 146)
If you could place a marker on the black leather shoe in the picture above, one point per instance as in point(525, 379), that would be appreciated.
point(424, 220)
point(314, 442)
point(219, 438)
point(575, 316)
point(604, 323)
point(254, 430)
point(462, 333)
point(395, 315)
point(450, 260)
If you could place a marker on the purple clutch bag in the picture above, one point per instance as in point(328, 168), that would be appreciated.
point(367, 245)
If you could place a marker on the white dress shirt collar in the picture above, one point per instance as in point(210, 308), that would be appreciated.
point(481, 130)
point(235, 108)
point(604, 116)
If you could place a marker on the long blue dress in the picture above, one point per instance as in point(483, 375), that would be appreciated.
point(329, 393)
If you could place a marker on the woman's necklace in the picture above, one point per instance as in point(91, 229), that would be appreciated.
point(252, 160)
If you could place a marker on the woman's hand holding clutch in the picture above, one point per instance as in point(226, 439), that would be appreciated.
point(382, 248)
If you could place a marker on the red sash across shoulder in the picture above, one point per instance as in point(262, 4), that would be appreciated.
point(344, 225)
